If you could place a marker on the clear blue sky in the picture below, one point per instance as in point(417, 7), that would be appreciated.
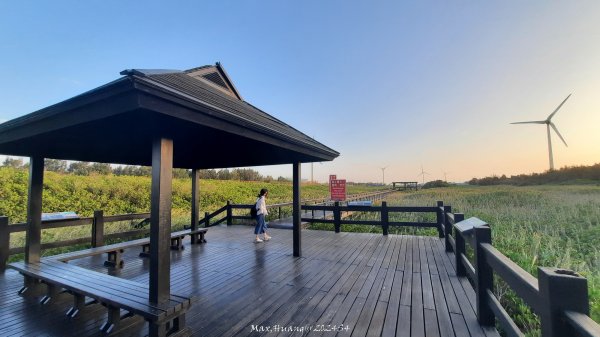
point(432, 83)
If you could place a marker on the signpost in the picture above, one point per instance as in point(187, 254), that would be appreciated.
point(337, 188)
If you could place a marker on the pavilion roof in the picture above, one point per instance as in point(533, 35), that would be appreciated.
point(200, 109)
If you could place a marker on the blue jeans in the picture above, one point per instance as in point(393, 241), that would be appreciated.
point(261, 225)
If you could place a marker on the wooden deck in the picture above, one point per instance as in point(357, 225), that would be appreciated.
point(370, 284)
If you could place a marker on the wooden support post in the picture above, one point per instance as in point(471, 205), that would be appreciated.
point(78, 305)
point(484, 276)
point(34, 210)
point(112, 320)
point(160, 220)
point(337, 216)
point(561, 290)
point(440, 218)
point(229, 213)
point(460, 247)
point(195, 200)
point(297, 235)
point(114, 260)
point(206, 220)
point(385, 221)
point(52, 291)
point(447, 228)
point(4, 242)
point(98, 229)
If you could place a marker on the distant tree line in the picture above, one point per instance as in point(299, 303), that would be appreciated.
point(566, 174)
point(86, 168)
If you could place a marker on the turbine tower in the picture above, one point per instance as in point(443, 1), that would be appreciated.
point(423, 173)
point(549, 124)
point(383, 173)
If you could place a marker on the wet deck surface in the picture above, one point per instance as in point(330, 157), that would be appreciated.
point(363, 284)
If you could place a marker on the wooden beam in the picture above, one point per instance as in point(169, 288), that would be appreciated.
point(34, 210)
point(296, 211)
point(195, 198)
point(160, 220)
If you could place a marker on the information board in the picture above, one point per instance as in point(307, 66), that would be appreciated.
point(338, 189)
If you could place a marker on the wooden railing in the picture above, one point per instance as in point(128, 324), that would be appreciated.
point(95, 239)
point(558, 296)
point(384, 220)
point(306, 205)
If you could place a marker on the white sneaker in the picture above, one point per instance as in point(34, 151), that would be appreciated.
point(257, 240)
point(267, 238)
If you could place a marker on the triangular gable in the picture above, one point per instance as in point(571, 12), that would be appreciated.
point(216, 77)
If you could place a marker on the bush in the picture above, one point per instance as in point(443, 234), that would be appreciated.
point(435, 184)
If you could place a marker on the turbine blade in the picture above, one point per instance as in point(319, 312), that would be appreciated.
point(532, 122)
point(558, 133)
point(555, 111)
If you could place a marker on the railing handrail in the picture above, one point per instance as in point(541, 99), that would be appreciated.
point(583, 324)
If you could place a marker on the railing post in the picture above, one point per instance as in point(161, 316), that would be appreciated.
point(336, 216)
point(206, 220)
point(279, 216)
point(4, 242)
point(560, 290)
point(98, 229)
point(440, 218)
point(460, 247)
point(229, 222)
point(484, 276)
point(447, 228)
point(385, 221)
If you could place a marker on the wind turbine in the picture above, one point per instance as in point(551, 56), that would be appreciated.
point(423, 173)
point(549, 124)
point(445, 175)
point(383, 173)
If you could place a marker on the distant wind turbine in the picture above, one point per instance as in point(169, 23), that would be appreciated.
point(445, 175)
point(549, 124)
point(423, 173)
point(383, 173)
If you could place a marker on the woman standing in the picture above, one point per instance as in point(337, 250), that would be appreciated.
point(261, 213)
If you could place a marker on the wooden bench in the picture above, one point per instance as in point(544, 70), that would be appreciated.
point(114, 293)
point(115, 251)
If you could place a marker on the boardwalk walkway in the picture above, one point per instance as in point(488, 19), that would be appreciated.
point(370, 284)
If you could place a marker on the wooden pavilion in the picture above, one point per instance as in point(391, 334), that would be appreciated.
point(193, 119)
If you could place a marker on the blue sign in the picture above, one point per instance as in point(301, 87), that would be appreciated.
point(59, 216)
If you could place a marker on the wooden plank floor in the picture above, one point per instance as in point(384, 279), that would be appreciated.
point(365, 284)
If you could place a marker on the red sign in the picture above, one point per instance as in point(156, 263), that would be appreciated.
point(338, 189)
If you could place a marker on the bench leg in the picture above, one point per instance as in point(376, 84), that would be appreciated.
point(52, 291)
point(197, 238)
point(78, 305)
point(114, 259)
point(177, 243)
point(145, 250)
point(114, 317)
point(31, 286)
point(172, 327)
